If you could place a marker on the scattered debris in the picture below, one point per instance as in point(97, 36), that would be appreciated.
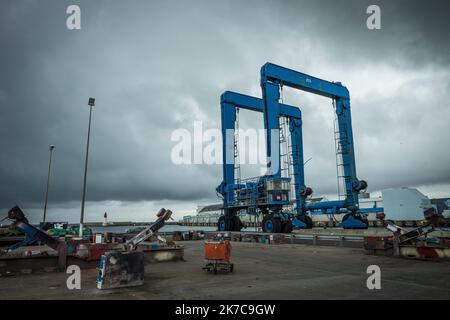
point(121, 269)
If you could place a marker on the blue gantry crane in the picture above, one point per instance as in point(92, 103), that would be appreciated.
point(268, 195)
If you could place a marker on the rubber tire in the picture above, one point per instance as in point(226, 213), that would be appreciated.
point(287, 227)
point(219, 222)
point(231, 267)
point(263, 224)
point(276, 224)
point(235, 223)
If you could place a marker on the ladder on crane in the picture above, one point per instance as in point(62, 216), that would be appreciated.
point(237, 160)
point(287, 162)
point(285, 154)
point(339, 144)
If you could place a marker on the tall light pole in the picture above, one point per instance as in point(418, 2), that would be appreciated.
point(50, 147)
point(91, 103)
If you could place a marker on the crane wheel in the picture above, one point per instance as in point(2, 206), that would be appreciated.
point(287, 227)
point(271, 224)
point(221, 225)
point(235, 223)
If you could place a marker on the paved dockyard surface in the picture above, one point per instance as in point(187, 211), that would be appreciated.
point(261, 272)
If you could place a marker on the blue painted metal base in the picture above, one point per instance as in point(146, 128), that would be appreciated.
point(33, 234)
point(298, 224)
point(353, 223)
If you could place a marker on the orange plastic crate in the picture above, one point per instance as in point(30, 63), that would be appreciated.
point(218, 250)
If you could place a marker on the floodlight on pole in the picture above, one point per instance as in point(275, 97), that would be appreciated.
point(50, 148)
point(91, 103)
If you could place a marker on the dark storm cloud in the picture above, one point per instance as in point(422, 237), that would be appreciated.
point(155, 66)
point(413, 33)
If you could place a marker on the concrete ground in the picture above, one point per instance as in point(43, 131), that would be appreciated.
point(261, 272)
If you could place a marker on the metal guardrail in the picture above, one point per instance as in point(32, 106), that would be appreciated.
point(314, 239)
point(329, 237)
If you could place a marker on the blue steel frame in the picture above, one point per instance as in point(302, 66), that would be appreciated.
point(33, 234)
point(272, 78)
point(229, 102)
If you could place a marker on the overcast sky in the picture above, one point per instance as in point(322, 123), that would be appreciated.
point(156, 66)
